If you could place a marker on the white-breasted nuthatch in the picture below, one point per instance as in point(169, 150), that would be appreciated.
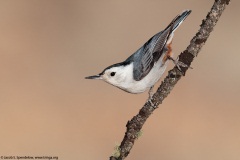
point(145, 67)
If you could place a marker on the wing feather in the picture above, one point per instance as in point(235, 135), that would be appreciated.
point(150, 53)
point(145, 58)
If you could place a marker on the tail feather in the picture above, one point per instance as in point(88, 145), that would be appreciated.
point(177, 21)
point(164, 37)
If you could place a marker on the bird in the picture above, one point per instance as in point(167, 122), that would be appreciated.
point(144, 68)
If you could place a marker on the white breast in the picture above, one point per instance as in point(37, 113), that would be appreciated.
point(130, 85)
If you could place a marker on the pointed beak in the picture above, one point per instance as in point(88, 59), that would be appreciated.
point(94, 77)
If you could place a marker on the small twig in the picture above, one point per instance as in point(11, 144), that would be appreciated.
point(174, 75)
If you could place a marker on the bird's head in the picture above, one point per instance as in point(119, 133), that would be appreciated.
point(115, 75)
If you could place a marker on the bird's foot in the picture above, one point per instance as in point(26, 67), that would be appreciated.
point(150, 93)
point(178, 63)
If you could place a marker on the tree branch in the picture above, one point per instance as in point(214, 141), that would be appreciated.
point(136, 123)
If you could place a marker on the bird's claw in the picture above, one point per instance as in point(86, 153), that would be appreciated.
point(178, 63)
point(150, 93)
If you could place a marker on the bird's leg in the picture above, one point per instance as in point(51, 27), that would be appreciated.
point(178, 63)
point(150, 93)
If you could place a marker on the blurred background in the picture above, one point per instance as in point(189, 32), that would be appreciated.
point(47, 108)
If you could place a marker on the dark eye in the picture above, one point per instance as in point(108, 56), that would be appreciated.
point(112, 74)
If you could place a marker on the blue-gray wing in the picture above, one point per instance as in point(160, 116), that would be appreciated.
point(145, 58)
point(149, 54)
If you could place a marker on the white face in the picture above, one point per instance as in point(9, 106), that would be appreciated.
point(119, 76)
point(114, 76)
